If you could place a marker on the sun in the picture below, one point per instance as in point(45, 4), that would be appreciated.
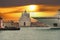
point(31, 7)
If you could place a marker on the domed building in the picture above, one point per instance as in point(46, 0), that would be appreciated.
point(25, 19)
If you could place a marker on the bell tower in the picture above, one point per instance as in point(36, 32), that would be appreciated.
point(25, 19)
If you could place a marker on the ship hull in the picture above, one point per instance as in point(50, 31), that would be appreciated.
point(55, 28)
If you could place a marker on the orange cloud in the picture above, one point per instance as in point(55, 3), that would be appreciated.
point(14, 13)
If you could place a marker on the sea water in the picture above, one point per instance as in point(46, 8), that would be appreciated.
point(30, 33)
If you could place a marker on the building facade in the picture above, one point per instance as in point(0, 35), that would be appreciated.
point(25, 19)
point(1, 23)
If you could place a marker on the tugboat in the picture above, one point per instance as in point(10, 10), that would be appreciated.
point(55, 27)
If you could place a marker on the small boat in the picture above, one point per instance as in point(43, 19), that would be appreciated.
point(10, 28)
point(55, 28)
point(47, 28)
point(40, 27)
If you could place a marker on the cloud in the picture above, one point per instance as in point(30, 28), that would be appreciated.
point(4, 3)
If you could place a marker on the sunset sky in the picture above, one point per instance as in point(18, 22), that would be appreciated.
point(34, 10)
point(12, 9)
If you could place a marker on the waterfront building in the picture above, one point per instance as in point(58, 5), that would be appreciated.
point(25, 19)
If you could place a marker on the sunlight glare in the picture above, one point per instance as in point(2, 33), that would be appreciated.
point(31, 7)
